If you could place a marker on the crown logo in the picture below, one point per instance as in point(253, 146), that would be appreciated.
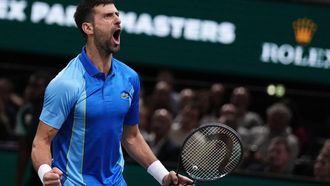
point(304, 29)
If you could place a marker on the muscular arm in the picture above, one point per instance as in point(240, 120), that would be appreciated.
point(136, 146)
point(41, 154)
point(138, 149)
point(41, 145)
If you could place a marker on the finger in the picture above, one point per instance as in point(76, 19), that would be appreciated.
point(51, 179)
point(52, 182)
point(57, 171)
point(185, 180)
point(174, 178)
point(51, 176)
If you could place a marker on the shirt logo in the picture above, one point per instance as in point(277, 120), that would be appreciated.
point(124, 95)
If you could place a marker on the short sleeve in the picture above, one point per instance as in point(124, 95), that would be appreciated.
point(60, 97)
point(132, 116)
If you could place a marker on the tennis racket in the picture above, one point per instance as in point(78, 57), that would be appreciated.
point(210, 153)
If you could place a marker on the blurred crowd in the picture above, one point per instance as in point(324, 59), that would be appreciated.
point(271, 142)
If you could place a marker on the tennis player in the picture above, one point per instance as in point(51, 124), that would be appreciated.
point(92, 107)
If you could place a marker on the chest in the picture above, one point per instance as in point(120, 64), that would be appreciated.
point(108, 99)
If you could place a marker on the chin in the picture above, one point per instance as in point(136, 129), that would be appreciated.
point(116, 50)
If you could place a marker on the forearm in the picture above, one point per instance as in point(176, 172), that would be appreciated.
point(139, 150)
point(40, 154)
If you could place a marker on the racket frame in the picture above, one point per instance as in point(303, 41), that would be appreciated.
point(180, 166)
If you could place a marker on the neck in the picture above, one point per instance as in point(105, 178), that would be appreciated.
point(99, 58)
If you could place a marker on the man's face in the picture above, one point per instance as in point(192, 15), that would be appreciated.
point(107, 28)
point(278, 155)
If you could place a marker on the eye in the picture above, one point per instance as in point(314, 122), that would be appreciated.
point(108, 15)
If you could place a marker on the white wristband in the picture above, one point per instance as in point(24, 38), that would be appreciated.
point(158, 171)
point(43, 169)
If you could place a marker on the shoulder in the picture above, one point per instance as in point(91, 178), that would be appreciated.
point(259, 130)
point(123, 68)
point(127, 74)
point(70, 79)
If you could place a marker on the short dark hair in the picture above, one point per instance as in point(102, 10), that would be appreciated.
point(84, 11)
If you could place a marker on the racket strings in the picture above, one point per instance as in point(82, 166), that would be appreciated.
point(211, 153)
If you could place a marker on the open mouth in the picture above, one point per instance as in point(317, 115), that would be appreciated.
point(116, 37)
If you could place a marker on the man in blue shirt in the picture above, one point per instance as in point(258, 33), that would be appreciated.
point(92, 107)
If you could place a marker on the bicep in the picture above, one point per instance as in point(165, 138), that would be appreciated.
point(45, 133)
point(130, 132)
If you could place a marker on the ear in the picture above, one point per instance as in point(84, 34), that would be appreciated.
point(87, 28)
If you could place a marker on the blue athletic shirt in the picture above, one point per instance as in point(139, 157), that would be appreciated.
point(89, 110)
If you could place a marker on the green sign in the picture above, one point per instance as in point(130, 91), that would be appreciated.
point(251, 38)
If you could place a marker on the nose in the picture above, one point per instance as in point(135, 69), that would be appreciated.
point(117, 20)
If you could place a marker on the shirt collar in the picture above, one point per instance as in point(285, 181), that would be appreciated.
point(90, 67)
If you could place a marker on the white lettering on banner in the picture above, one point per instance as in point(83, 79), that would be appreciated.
point(177, 24)
point(3, 9)
point(39, 11)
point(56, 14)
point(69, 12)
point(178, 27)
point(190, 29)
point(161, 28)
point(13, 10)
point(143, 25)
point(298, 56)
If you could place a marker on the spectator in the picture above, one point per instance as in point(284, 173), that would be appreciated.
point(278, 122)
point(217, 96)
point(278, 157)
point(228, 116)
point(168, 77)
point(162, 145)
point(203, 101)
point(189, 121)
point(240, 97)
point(161, 97)
point(276, 160)
point(186, 97)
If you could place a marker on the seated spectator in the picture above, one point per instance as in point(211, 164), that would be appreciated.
point(322, 163)
point(186, 97)
point(228, 116)
point(217, 97)
point(278, 121)
point(203, 102)
point(161, 98)
point(168, 77)
point(276, 160)
point(240, 97)
point(162, 145)
point(278, 157)
point(190, 117)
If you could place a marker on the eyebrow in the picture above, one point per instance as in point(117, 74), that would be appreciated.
point(111, 13)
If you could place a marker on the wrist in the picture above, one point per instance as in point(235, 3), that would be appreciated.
point(158, 171)
point(43, 169)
